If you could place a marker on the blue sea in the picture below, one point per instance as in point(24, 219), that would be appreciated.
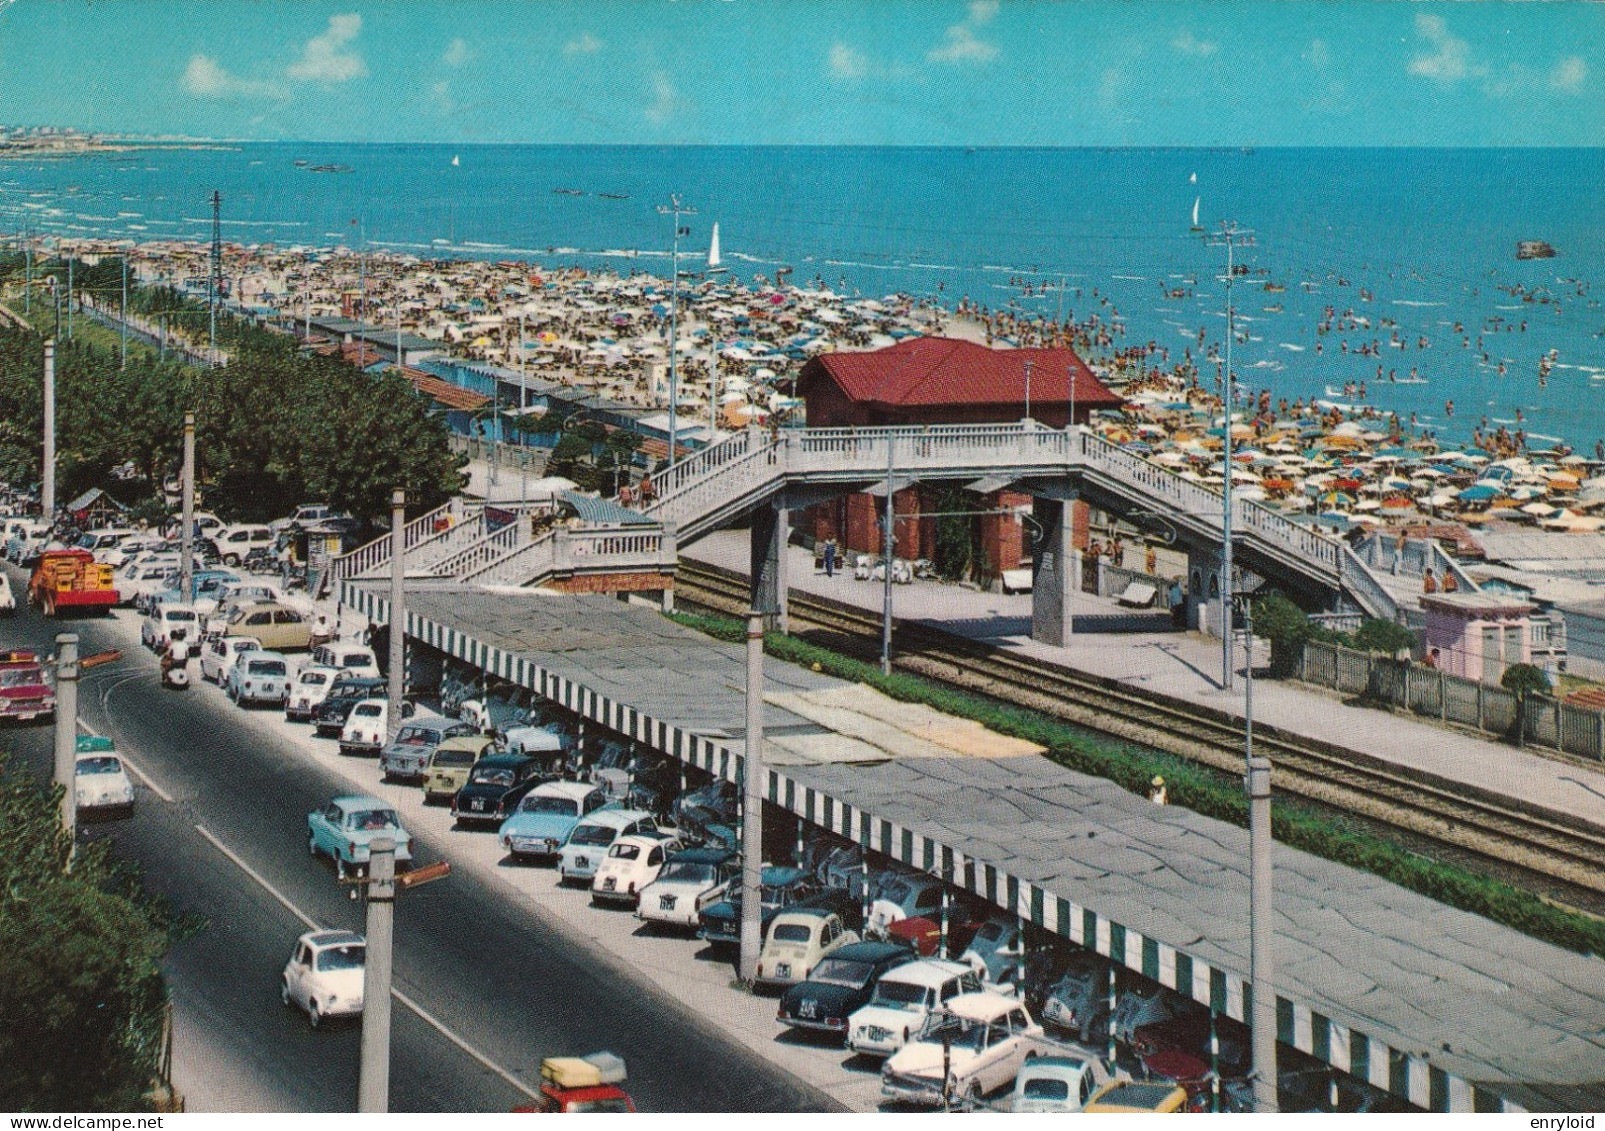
point(1411, 241)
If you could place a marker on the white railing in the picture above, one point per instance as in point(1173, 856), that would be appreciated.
point(485, 551)
point(1366, 590)
point(365, 558)
point(569, 550)
point(708, 460)
point(736, 478)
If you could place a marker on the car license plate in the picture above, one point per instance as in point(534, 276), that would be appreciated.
point(876, 1033)
point(580, 862)
point(609, 883)
point(782, 969)
point(479, 805)
point(666, 902)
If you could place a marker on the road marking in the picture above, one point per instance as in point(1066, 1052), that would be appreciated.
point(139, 771)
point(427, 1017)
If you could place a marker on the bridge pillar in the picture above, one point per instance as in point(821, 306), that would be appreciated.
point(1055, 572)
point(771, 529)
point(1203, 590)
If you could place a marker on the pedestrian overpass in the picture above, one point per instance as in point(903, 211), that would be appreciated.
point(761, 477)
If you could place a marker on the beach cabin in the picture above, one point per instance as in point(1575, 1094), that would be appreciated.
point(1477, 635)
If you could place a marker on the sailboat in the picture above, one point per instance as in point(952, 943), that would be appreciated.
point(456, 162)
point(713, 252)
point(1197, 200)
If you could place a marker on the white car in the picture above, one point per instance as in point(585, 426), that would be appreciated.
point(367, 728)
point(234, 543)
point(145, 575)
point(984, 1038)
point(311, 687)
point(352, 659)
point(100, 782)
point(904, 999)
point(1057, 1084)
point(1147, 1003)
point(796, 942)
point(259, 677)
point(324, 975)
point(8, 599)
point(219, 656)
point(582, 854)
point(632, 863)
point(690, 880)
point(166, 623)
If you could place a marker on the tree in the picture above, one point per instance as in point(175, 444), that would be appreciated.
point(80, 986)
point(1385, 636)
point(1287, 627)
point(1524, 681)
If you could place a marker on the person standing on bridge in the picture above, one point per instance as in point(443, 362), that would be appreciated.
point(830, 557)
point(1178, 604)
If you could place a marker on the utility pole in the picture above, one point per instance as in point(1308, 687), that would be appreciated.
point(752, 775)
point(70, 263)
point(1261, 909)
point(1028, 388)
point(186, 538)
point(47, 473)
point(676, 209)
point(398, 615)
point(67, 728)
point(27, 290)
point(214, 277)
point(888, 549)
point(1230, 236)
point(122, 313)
point(362, 293)
point(373, 1080)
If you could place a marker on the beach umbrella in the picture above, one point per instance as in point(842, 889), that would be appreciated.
point(1367, 505)
point(1542, 510)
point(1477, 493)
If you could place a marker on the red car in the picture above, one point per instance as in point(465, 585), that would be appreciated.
point(925, 934)
point(1178, 1049)
point(572, 1084)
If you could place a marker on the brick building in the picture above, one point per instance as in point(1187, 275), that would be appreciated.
point(944, 381)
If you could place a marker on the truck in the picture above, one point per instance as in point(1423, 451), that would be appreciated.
point(71, 581)
point(582, 1084)
point(25, 694)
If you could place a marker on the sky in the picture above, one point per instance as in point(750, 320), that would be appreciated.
point(817, 72)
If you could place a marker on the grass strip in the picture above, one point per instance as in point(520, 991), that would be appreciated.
point(1200, 789)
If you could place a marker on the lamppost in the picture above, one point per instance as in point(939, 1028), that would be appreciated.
point(676, 209)
point(1262, 962)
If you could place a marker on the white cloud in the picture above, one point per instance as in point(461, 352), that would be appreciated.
point(204, 77)
point(962, 44)
point(1188, 45)
point(1450, 60)
point(845, 63)
point(666, 100)
point(583, 44)
point(1569, 74)
point(325, 58)
point(457, 53)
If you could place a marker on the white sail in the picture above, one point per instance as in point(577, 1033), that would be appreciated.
point(1197, 200)
point(454, 161)
point(1193, 180)
point(713, 246)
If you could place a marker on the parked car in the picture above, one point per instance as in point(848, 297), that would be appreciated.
point(167, 623)
point(984, 1038)
point(631, 864)
point(277, 626)
point(839, 986)
point(1177, 1048)
point(1151, 1096)
point(312, 684)
point(1078, 1001)
point(690, 880)
point(549, 742)
point(900, 896)
point(903, 1000)
point(235, 543)
point(995, 952)
point(1144, 1003)
point(219, 657)
point(350, 659)
point(366, 726)
point(450, 765)
point(259, 677)
point(587, 845)
point(545, 817)
point(25, 537)
point(309, 514)
point(100, 781)
point(344, 829)
point(719, 923)
point(236, 594)
point(796, 941)
point(99, 542)
point(924, 932)
point(144, 575)
point(208, 587)
point(407, 755)
point(329, 717)
point(1057, 1083)
point(325, 974)
point(8, 599)
point(495, 786)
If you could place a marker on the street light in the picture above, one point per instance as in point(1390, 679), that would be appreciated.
point(676, 209)
point(1257, 780)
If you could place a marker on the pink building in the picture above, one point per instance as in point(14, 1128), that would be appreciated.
point(1477, 635)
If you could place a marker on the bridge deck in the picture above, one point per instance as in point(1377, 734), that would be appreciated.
point(1449, 1010)
point(1140, 649)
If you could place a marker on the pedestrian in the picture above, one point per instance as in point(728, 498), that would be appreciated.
point(1450, 585)
point(830, 557)
point(649, 493)
point(1117, 552)
point(1432, 659)
point(1429, 582)
point(626, 496)
point(1150, 561)
point(1178, 604)
point(1156, 791)
point(1095, 551)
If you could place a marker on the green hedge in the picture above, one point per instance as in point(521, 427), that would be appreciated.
point(1200, 789)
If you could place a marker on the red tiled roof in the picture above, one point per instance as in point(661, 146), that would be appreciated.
point(948, 371)
point(444, 392)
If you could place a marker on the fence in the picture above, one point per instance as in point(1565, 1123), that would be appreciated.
point(1451, 699)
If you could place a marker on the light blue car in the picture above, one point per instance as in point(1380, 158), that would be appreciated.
point(344, 829)
point(546, 816)
point(208, 588)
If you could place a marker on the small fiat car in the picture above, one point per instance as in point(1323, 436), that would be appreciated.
point(690, 880)
point(450, 765)
point(259, 677)
point(904, 999)
point(101, 783)
point(346, 827)
point(799, 940)
point(324, 975)
point(631, 864)
point(588, 844)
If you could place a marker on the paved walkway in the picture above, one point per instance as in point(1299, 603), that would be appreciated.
point(1139, 648)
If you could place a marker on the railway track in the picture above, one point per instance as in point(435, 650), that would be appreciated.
point(1561, 852)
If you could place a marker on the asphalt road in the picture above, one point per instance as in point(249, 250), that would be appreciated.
point(510, 987)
